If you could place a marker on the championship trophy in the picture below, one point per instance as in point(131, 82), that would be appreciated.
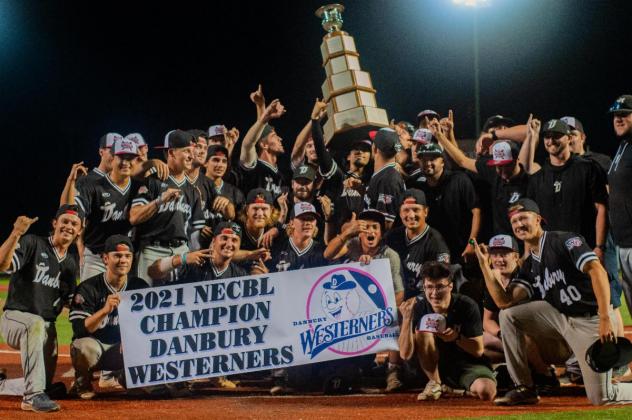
point(351, 110)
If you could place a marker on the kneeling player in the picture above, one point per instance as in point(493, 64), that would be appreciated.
point(94, 315)
point(454, 352)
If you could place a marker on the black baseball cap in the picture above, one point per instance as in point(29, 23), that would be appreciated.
point(304, 171)
point(362, 144)
point(428, 113)
point(556, 126)
point(72, 209)
point(497, 121)
point(227, 228)
point(505, 242)
point(601, 357)
point(196, 132)
point(387, 141)
point(623, 104)
point(414, 196)
point(108, 140)
point(116, 242)
point(259, 196)
point(429, 149)
point(524, 204)
point(374, 216)
point(176, 139)
point(574, 124)
point(216, 149)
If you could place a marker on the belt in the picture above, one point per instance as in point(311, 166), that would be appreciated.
point(171, 243)
point(587, 314)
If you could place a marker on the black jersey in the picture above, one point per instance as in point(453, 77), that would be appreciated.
point(427, 246)
point(384, 191)
point(503, 194)
point(567, 195)
point(106, 207)
point(262, 175)
point(450, 204)
point(208, 271)
point(41, 281)
point(349, 201)
point(90, 297)
point(224, 189)
point(620, 199)
point(463, 316)
point(175, 220)
point(600, 159)
point(94, 175)
point(555, 275)
point(286, 256)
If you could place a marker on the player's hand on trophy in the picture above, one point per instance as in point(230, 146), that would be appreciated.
point(170, 195)
point(319, 109)
point(22, 224)
point(77, 170)
point(257, 97)
point(273, 111)
point(111, 303)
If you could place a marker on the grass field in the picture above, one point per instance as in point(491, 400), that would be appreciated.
point(608, 413)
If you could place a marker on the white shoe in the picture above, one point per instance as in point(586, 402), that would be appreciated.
point(109, 382)
point(432, 391)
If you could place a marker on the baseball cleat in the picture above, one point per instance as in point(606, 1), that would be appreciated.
point(40, 403)
point(432, 392)
point(521, 395)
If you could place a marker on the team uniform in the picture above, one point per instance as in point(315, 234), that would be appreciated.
point(224, 189)
point(384, 191)
point(286, 256)
point(427, 246)
point(106, 207)
point(563, 307)
point(457, 368)
point(208, 271)
point(41, 283)
point(102, 347)
point(94, 175)
point(262, 175)
point(170, 231)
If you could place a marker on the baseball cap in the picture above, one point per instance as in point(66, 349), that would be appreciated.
point(556, 126)
point(136, 138)
point(574, 124)
point(363, 144)
point(504, 241)
point(429, 149)
point(267, 129)
point(503, 153)
point(432, 323)
point(387, 141)
point(601, 357)
point(622, 104)
point(303, 207)
point(428, 113)
point(72, 209)
point(227, 228)
point(196, 132)
point(497, 121)
point(304, 171)
point(524, 204)
point(375, 216)
point(423, 135)
point(176, 139)
point(217, 149)
point(413, 196)
point(108, 140)
point(259, 196)
point(407, 126)
point(118, 243)
point(216, 130)
point(125, 146)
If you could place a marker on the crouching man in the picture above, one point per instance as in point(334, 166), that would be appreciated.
point(96, 341)
point(444, 331)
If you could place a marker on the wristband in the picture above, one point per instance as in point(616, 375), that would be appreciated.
point(158, 201)
point(183, 257)
point(165, 264)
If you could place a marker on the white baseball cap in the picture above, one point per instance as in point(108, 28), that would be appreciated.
point(422, 135)
point(432, 323)
point(136, 138)
point(216, 130)
point(303, 207)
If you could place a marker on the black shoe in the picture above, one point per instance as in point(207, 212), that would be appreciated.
point(503, 379)
point(547, 385)
point(337, 385)
point(57, 391)
point(3, 374)
point(521, 395)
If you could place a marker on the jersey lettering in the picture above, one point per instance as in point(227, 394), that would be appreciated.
point(41, 276)
point(110, 212)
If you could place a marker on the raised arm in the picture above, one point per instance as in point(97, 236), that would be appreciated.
point(326, 164)
point(68, 194)
point(337, 246)
point(298, 150)
point(248, 154)
point(453, 150)
point(7, 249)
point(259, 100)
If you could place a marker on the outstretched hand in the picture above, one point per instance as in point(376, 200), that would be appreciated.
point(22, 224)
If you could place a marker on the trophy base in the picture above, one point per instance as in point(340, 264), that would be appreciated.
point(344, 139)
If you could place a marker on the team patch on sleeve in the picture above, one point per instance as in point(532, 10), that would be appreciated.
point(78, 299)
point(143, 190)
point(443, 258)
point(385, 198)
point(573, 243)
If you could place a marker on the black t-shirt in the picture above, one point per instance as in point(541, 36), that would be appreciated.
point(556, 274)
point(502, 194)
point(450, 205)
point(90, 297)
point(262, 175)
point(602, 160)
point(567, 195)
point(620, 200)
point(174, 220)
point(427, 246)
point(286, 256)
point(384, 192)
point(41, 281)
point(106, 207)
point(463, 316)
point(225, 189)
point(208, 271)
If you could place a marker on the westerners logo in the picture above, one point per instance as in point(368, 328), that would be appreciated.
point(351, 312)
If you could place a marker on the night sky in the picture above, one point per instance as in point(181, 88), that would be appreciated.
point(72, 71)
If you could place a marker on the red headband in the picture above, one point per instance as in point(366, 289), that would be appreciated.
point(227, 231)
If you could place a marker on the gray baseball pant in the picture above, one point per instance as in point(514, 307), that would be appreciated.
point(540, 319)
point(89, 354)
point(625, 258)
point(92, 265)
point(37, 341)
point(150, 254)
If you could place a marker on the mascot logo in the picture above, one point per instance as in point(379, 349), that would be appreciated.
point(354, 309)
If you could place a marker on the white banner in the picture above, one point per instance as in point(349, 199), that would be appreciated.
point(244, 324)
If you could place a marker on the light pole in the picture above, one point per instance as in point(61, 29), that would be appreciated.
point(475, 4)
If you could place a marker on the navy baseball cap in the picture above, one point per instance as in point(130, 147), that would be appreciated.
point(574, 124)
point(429, 149)
point(374, 216)
point(623, 104)
point(504, 152)
point(497, 121)
point(125, 146)
point(387, 141)
point(108, 140)
point(556, 126)
point(216, 149)
point(227, 228)
point(71, 209)
point(601, 357)
point(505, 242)
point(176, 139)
point(118, 243)
point(259, 196)
point(413, 196)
